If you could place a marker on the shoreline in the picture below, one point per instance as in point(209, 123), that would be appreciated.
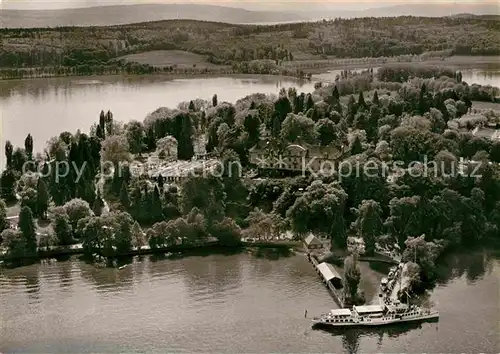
point(308, 66)
point(454, 61)
point(77, 249)
point(164, 77)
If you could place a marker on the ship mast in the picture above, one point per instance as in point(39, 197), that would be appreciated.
point(400, 276)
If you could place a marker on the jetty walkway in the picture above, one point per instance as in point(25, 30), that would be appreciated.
point(401, 282)
point(333, 281)
point(330, 277)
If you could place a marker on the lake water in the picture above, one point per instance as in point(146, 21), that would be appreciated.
point(47, 107)
point(229, 303)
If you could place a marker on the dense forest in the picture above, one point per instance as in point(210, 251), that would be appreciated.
point(393, 131)
point(227, 44)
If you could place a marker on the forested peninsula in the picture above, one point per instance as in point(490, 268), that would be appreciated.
point(392, 126)
point(220, 48)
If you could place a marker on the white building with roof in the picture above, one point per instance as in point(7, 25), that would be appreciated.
point(311, 242)
point(330, 274)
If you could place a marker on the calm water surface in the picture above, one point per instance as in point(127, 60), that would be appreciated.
point(47, 107)
point(234, 303)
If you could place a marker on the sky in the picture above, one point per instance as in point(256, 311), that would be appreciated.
point(339, 4)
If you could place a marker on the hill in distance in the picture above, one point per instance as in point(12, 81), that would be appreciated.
point(233, 12)
point(417, 10)
point(125, 14)
point(437, 10)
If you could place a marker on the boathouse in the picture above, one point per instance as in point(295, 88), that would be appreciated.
point(312, 242)
point(330, 274)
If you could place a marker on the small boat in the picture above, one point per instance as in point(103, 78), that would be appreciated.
point(122, 267)
point(375, 315)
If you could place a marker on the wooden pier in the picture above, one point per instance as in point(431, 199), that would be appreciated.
point(334, 292)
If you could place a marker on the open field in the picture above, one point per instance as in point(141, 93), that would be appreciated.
point(178, 58)
point(486, 105)
point(309, 63)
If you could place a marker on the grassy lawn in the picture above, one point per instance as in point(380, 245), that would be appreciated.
point(178, 58)
point(13, 209)
point(43, 226)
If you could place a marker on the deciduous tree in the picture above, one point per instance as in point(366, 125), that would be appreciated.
point(135, 136)
point(320, 209)
point(115, 149)
point(326, 131)
point(63, 229)
point(77, 209)
point(297, 128)
point(14, 243)
point(369, 224)
point(228, 232)
point(4, 223)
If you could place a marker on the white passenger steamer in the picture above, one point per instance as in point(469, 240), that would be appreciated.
point(375, 315)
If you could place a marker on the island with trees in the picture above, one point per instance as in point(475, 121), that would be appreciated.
point(394, 125)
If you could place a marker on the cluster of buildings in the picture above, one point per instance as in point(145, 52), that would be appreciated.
point(166, 164)
point(269, 155)
point(179, 170)
point(266, 155)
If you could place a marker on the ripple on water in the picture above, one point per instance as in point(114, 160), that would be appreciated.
point(88, 82)
point(223, 304)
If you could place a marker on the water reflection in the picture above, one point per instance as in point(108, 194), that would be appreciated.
point(66, 275)
point(474, 264)
point(351, 337)
point(32, 283)
point(211, 276)
point(27, 278)
point(233, 303)
point(140, 268)
point(107, 280)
